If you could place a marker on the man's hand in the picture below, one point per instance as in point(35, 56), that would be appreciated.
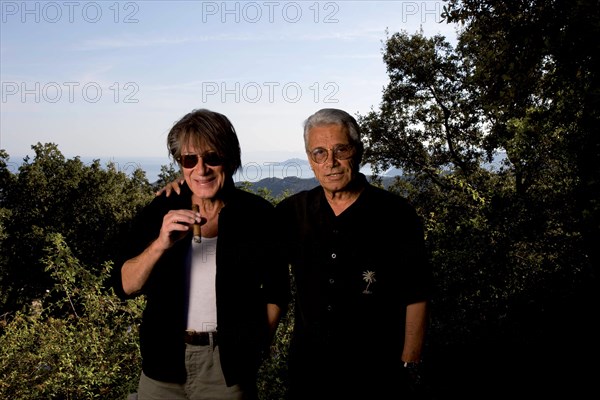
point(171, 187)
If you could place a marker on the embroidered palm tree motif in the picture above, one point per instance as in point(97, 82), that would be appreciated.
point(369, 277)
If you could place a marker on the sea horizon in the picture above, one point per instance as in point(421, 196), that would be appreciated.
point(251, 171)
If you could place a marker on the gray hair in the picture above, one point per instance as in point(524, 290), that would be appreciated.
point(334, 116)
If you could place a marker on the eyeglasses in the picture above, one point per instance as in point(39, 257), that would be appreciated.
point(211, 158)
point(340, 152)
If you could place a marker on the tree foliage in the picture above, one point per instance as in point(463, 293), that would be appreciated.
point(78, 341)
point(86, 204)
point(492, 134)
point(537, 66)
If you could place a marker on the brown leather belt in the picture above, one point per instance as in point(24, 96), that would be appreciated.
point(200, 338)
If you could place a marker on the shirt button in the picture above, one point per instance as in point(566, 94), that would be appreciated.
point(333, 255)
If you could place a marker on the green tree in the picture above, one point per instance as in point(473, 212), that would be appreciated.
point(508, 239)
point(537, 66)
point(86, 204)
point(431, 126)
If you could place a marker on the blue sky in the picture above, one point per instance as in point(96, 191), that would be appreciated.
point(108, 79)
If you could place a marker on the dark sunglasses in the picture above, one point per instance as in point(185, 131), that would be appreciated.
point(210, 158)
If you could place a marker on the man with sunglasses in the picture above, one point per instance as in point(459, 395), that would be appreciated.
point(213, 304)
point(362, 279)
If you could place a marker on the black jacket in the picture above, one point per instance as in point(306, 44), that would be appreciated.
point(249, 275)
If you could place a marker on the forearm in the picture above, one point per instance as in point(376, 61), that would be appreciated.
point(414, 337)
point(135, 271)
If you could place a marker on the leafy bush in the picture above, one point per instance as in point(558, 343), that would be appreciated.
point(77, 342)
point(272, 376)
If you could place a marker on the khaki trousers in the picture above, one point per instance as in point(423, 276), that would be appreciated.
point(205, 380)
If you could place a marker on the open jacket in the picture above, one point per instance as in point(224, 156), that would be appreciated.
point(249, 275)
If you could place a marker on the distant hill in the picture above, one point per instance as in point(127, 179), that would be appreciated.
point(293, 184)
point(292, 175)
point(295, 175)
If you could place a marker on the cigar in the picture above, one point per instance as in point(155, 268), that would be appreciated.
point(197, 230)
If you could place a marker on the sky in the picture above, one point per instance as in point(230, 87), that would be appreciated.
point(108, 79)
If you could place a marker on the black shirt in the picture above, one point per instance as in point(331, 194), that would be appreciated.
point(354, 274)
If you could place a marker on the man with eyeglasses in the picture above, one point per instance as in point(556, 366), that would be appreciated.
point(361, 274)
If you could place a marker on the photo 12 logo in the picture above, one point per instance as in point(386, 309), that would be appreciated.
point(69, 11)
point(71, 92)
point(270, 92)
point(269, 11)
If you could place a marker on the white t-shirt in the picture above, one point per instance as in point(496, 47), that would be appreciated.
point(202, 299)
